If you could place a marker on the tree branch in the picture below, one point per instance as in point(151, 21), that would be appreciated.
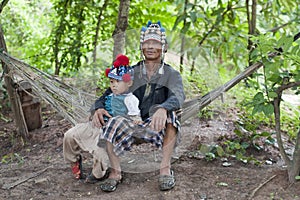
point(287, 86)
point(295, 167)
point(275, 29)
point(3, 4)
point(229, 7)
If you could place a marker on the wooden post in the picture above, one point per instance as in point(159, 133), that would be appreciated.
point(31, 106)
point(13, 94)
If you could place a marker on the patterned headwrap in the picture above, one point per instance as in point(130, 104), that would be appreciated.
point(120, 70)
point(154, 31)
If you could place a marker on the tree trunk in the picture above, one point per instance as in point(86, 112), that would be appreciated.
point(58, 37)
point(182, 55)
point(13, 94)
point(294, 163)
point(276, 105)
point(251, 18)
point(121, 26)
point(183, 41)
point(294, 168)
point(95, 42)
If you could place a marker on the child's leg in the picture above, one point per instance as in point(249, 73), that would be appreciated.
point(84, 137)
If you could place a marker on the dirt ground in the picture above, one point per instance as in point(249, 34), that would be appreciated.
point(36, 169)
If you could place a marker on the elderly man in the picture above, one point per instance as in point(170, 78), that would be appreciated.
point(160, 92)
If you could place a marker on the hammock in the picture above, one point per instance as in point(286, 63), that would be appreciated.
point(74, 104)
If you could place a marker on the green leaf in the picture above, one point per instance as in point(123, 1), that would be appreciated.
point(274, 78)
point(193, 16)
point(256, 109)
point(245, 145)
point(238, 132)
point(265, 134)
point(220, 151)
point(268, 109)
point(255, 136)
point(272, 95)
point(259, 98)
point(270, 141)
point(287, 44)
point(237, 146)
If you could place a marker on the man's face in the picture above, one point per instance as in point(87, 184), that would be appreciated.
point(152, 49)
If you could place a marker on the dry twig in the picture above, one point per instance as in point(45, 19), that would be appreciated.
point(260, 186)
point(18, 182)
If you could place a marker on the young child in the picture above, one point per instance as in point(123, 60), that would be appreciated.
point(121, 102)
point(84, 136)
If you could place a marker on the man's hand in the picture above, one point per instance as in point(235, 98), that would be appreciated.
point(98, 120)
point(159, 118)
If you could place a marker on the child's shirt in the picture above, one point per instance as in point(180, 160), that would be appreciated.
point(122, 104)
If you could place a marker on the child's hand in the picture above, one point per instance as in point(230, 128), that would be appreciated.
point(137, 122)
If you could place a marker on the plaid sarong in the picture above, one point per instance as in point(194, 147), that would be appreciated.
point(121, 132)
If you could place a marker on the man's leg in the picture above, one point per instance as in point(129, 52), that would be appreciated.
point(168, 148)
point(114, 161)
point(166, 178)
point(115, 176)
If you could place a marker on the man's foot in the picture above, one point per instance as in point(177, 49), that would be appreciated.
point(77, 169)
point(92, 179)
point(166, 182)
point(110, 184)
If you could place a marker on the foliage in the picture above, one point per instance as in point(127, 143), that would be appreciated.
point(280, 57)
point(102, 83)
point(12, 157)
point(278, 70)
point(28, 36)
point(241, 146)
point(58, 35)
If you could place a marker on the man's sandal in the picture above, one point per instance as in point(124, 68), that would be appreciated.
point(110, 184)
point(92, 179)
point(166, 182)
point(77, 169)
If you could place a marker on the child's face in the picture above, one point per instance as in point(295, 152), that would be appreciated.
point(119, 87)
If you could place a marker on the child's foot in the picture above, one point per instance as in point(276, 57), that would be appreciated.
point(92, 179)
point(77, 169)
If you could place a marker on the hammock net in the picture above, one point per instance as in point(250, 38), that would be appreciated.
point(74, 104)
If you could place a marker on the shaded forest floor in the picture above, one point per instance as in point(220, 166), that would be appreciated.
point(36, 169)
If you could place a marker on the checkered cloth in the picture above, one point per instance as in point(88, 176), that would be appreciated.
point(121, 132)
